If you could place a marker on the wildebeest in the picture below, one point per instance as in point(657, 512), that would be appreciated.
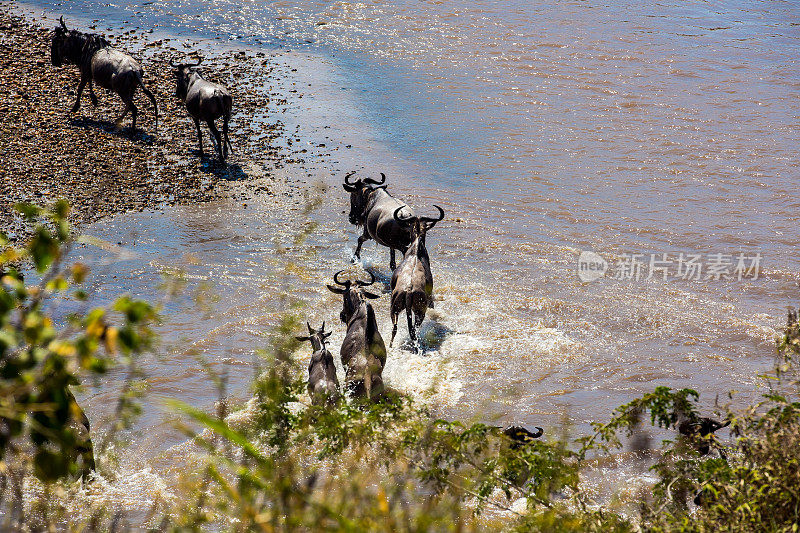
point(204, 101)
point(372, 207)
point(98, 62)
point(520, 435)
point(79, 422)
point(412, 281)
point(699, 432)
point(323, 385)
point(363, 352)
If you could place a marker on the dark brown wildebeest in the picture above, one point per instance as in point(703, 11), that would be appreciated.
point(98, 62)
point(520, 435)
point(363, 352)
point(204, 101)
point(372, 207)
point(699, 432)
point(323, 385)
point(412, 281)
point(79, 422)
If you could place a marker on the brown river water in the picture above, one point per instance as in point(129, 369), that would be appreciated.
point(628, 129)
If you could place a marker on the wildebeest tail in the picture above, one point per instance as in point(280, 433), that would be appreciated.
point(152, 98)
point(227, 105)
point(409, 307)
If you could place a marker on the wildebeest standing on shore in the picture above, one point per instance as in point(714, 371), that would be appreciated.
point(204, 101)
point(323, 385)
point(372, 207)
point(412, 281)
point(363, 352)
point(98, 62)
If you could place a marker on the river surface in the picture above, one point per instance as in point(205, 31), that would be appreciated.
point(543, 129)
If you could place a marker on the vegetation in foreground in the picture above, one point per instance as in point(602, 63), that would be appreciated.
point(388, 465)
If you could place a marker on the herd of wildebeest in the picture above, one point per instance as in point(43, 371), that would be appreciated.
point(387, 220)
point(384, 218)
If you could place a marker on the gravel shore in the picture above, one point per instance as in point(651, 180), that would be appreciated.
point(46, 152)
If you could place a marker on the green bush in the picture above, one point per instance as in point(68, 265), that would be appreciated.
point(43, 430)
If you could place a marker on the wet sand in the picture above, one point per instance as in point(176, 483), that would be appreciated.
point(47, 152)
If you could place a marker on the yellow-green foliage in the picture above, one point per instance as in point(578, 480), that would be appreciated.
point(43, 430)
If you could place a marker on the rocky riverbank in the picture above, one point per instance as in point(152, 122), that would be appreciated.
point(47, 152)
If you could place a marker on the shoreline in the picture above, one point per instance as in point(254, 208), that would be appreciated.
point(47, 152)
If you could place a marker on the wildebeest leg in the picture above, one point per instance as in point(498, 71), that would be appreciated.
point(411, 331)
point(118, 122)
point(361, 239)
point(199, 136)
point(392, 263)
point(81, 85)
point(134, 114)
point(86, 450)
point(92, 96)
point(418, 318)
point(226, 142)
point(216, 135)
point(394, 325)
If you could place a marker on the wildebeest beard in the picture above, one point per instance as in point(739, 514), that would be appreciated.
point(358, 208)
point(74, 47)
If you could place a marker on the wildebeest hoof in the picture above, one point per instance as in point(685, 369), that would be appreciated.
point(75, 109)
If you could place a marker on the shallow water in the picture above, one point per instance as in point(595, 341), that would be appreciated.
point(542, 130)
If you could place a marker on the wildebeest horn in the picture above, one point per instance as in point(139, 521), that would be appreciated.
point(374, 182)
point(434, 220)
point(371, 280)
point(347, 178)
point(349, 187)
point(345, 283)
point(310, 331)
point(61, 20)
point(397, 218)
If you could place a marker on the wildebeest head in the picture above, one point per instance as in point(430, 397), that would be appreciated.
point(183, 73)
point(58, 43)
point(359, 192)
point(418, 226)
point(353, 293)
point(72, 46)
point(316, 336)
point(521, 436)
